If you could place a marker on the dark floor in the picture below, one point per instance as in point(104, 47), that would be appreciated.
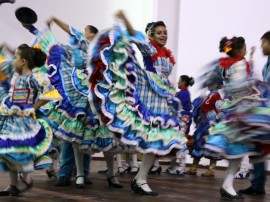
point(170, 188)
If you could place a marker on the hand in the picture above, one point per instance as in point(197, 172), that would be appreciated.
point(26, 26)
point(120, 14)
point(252, 51)
point(49, 22)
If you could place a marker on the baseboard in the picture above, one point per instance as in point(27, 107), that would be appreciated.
point(101, 158)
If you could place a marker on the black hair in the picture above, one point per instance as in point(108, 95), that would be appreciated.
point(92, 29)
point(189, 80)
point(236, 43)
point(35, 57)
point(266, 36)
point(152, 25)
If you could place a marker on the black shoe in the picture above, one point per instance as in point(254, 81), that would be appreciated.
point(28, 186)
point(139, 190)
point(103, 171)
point(87, 181)
point(10, 191)
point(80, 186)
point(226, 196)
point(251, 191)
point(51, 174)
point(111, 184)
point(121, 172)
point(62, 181)
point(4, 193)
point(133, 184)
point(154, 172)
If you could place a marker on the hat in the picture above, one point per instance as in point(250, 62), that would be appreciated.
point(26, 15)
point(7, 1)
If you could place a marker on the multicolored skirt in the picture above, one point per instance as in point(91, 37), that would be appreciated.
point(24, 143)
point(244, 129)
point(129, 101)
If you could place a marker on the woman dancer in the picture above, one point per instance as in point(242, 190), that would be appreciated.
point(132, 101)
point(244, 128)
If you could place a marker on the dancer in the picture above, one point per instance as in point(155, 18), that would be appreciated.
point(70, 68)
point(243, 130)
point(183, 107)
point(260, 174)
point(28, 139)
point(205, 114)
point(70, 119)
point(132, 101)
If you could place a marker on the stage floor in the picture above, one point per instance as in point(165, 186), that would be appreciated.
point(170, 188)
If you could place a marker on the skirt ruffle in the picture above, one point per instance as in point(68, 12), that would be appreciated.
point(127, 104)
point(71, 119)
point(244, 129)
point(24, 141)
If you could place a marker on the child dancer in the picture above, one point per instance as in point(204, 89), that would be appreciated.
point(24, 140)
point(183, 106)
point(205, 114)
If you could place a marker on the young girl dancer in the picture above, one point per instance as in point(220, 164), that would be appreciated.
point(24, 139)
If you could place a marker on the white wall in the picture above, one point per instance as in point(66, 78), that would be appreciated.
point(75, 12)
point(194, 26)
point(204, 23)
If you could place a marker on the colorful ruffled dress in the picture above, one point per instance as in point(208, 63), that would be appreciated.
point(71, 119)
point(205, 114)
point(131, 101)
point(25, 140)
point(244, 129)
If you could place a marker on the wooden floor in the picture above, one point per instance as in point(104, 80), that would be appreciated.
point(170, 188)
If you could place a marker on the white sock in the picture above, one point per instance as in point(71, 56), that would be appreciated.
point(156, 165)
point(229, 177)
point(79, 163)
point(134, 160)
point(245, 164)
point(141, 177)
point(110, 165)
point(119, 162)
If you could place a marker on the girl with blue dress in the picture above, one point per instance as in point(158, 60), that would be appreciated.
point(24, 139)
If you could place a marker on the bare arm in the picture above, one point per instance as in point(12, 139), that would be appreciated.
point(120, 14)
point(60, 23)
point(9, 49)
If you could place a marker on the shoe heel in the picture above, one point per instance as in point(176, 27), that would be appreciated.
point(111, 184)
point(80, 186)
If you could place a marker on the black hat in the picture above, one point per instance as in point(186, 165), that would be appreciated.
point(7, 1)
point(26, 15)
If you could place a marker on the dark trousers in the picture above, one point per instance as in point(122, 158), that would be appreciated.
point(68, 161)
point(259, 178)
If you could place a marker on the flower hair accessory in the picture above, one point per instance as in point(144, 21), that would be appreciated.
point(228, 46)
point(37, 47)
point(149, 30)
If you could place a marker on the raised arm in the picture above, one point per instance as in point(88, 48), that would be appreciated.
point(60, 23)
point(8, 48)
point(120, 14)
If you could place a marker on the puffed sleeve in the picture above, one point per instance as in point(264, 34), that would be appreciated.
point(45, 91)
point(76, 36)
